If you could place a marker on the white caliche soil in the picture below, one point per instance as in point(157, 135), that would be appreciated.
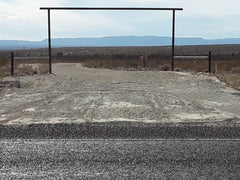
point(76, 94)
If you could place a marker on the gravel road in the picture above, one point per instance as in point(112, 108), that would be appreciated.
point(119, 159)
point(78, 102)
point(75, 94)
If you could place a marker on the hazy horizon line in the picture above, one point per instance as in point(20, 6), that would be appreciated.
point(99, 37)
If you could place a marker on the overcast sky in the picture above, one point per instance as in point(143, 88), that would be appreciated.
point(210, 19)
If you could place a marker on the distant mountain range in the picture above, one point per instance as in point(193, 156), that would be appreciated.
point(113, 41)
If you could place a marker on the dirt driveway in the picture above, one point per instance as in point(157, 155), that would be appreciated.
point(75, 94)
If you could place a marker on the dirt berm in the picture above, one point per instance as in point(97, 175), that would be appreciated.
point(82, 102)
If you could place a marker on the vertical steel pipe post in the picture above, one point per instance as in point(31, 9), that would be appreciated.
point(173, 39)
point(12, 63)
point(49, 42)
point(210, 62)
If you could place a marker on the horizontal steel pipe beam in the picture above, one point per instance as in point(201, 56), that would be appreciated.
point(44, 57)
point(190, 57)
point(110, 8)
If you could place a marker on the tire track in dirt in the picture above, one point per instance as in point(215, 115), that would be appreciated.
point(76, 95)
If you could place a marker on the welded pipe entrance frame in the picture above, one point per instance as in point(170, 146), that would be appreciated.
point(107, 9)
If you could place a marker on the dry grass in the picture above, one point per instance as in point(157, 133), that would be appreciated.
point(129, 64)
point(226, 60)
point(191, 65)
point(226, 71)
point(151, 64)
point(230, 75)
point(4, 71)
point(30, 69)
point(22, 69)
point(4, 66)
point(112, 64)
point(233, 80)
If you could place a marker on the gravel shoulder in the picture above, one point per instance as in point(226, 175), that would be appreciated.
point(77, 95)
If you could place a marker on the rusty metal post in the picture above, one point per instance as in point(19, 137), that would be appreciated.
point(12, 63)
point(49, 42)
point(173, 39)
point(144, 60)
point(210, 62)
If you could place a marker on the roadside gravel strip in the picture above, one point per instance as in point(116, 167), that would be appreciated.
point(103, 100)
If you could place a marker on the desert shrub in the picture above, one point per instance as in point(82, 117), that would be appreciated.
point(226, 66)
point(178, 69)
point(165, 67)
point(29, 69)
point(4, 59)
point(111, 64)
point(43, 69)
point(24, 69)
point(236, 69)
point(93, 64)
point(4, 73)
point(4, 65)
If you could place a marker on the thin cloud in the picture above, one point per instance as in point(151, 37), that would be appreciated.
point(199, 18)
point(15, 17)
